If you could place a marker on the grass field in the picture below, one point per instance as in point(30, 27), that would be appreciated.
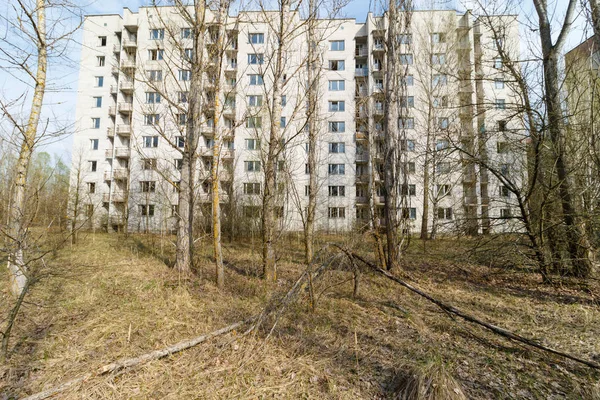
point(110, 297)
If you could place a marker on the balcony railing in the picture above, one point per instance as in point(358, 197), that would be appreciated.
point(125, 107)
point(126, 86)
point(116, 48)
point(122, 152)
point(112, 111)
point(124, 130)
point(127, 42)
point(128, 64)
point(362, 92)
point(361, 72)
point(362, 157)
point(113, 89)
point(362, 52)
point(120, 173)
point(110, 132)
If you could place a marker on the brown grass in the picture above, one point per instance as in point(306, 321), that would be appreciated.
point(78, 319)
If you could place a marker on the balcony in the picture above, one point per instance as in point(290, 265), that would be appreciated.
point(364, 178)
point(362, 200)
point(110, 132)
point(362, 92)
point(122, 152)
point(113, 89)
point(378, 110)
point(361, 114)
point(378, 47)
point(129, 43)
point(118, 197)
point(229, 110)
point(107, 177)
point(362, 135)
point(361, 52)
point(361, 72)
point(117, 220)
point(125, 108)
point(124, 130)
point(112, 111)
point(362, 157)
point(108, 153)
point(126, 86)
point(128, 64)
point(120, 173)
point(231, 67)
point(116, 48)
point(114, 70)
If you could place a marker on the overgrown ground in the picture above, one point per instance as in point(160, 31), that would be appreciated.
point(111, 297)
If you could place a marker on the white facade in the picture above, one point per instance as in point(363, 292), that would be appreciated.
point(453, 94)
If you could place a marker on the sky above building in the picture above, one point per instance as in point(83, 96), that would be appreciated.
point(61, 99)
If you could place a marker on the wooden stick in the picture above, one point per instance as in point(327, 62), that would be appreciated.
point(453, 310)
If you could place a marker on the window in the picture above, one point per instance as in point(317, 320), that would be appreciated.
point(408, 80)
point(180, 140)
point(502, 126)
point(256, 59)
point(185, 75)
point(337, 126)
point(499, 83)
point(255, 101)
point(407, 101)
point(502, 147)
point(151, 119)
point(252, 188)
point(188, 54)
point(89, 210)
point(154, 75)
point(405, 38)
point(152, 97)
point(99, 81)
point(147, 186)
point(100, 61)
point(444, 213)
point(505, 169)
point(408, 190)
point(102, 41)
point(409, 213)
point(337, 86)
point(500, 104)
point(174, 210)
point(157, 34)
point(93, 166)
point(337, 106)
point(252, 144)
point(337, 147)
point(282, 122)
point(337, 169)
point(155, 54)
point(97, 102)
point(503, 191)
point(498, 63)
point(442, 190)
point(443, 123)
point(149, 164)
point(406, 123)
point(337, 65)
point(438, 38)
point(254, 122)
point(283, 100)
point(186, 33)
point(442, 167)
point(95, 123)
point(439, 80)
point(256, 38)
point(256, 79)
point(182, 119)
point(91, 186)
point(150, 141)
point(252, 166)
point(378, 84)
point(505, 213)
point(440, 102)
point(337, 45)
point(94, 144)
point(438, 59)
point(337, 191)
point(178, 163)
point(442, 144)
point(409, 167)
point(147, 210)
point(407, 145)
point(337, 212)
point(182, 97)
point(406, 59)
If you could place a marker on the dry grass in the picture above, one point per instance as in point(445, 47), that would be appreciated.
point(79, 319)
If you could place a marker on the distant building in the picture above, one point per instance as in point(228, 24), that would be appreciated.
point(456, 99)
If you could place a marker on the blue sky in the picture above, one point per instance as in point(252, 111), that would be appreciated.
point(60, 104)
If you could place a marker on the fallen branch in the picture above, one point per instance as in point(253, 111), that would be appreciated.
point(453, 310)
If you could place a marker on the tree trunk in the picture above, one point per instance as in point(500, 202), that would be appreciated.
point(185, 231)
point(390, 156)
point(216, 159)
point(313, 82)
point(18, 230)
point(270, 187)
point(576, 238)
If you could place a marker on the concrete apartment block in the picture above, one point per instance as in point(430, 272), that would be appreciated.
point(456, 100)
